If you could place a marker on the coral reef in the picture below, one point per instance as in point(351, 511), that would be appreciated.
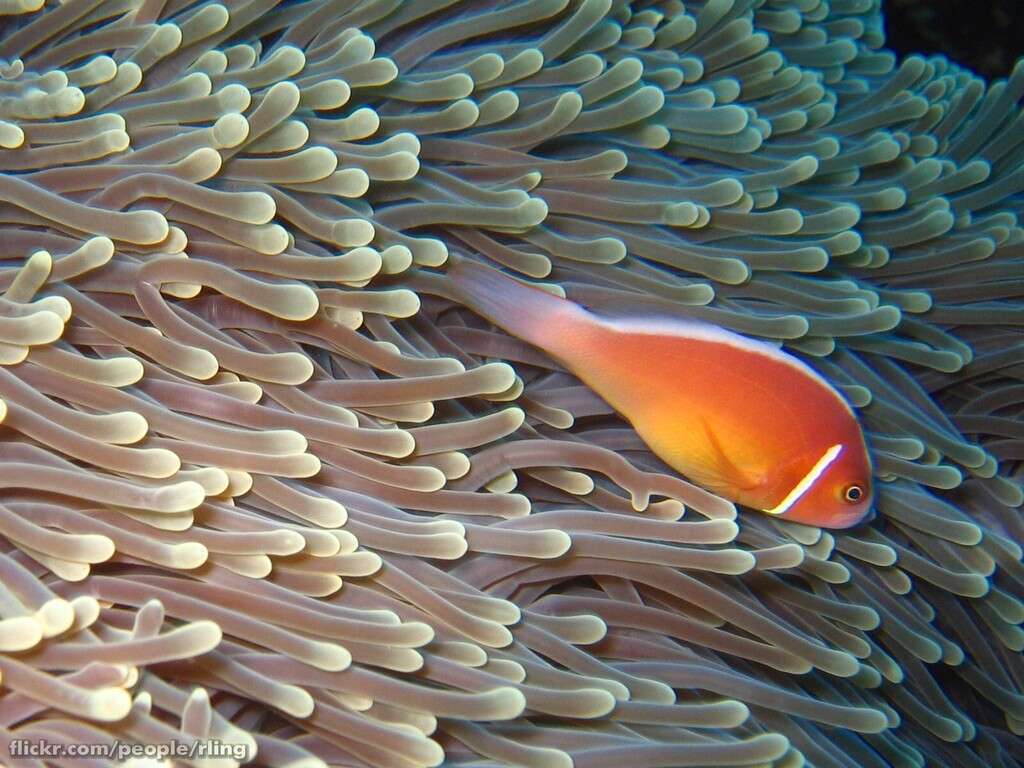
point(266, 485)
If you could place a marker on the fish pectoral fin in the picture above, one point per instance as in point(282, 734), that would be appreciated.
point(712, 481)
point(732, 476)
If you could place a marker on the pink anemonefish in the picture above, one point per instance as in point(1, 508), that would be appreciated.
point(734, 415)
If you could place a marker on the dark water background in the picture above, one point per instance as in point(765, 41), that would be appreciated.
point(984, 35)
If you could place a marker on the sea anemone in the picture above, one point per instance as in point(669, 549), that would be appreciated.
point(270, 496)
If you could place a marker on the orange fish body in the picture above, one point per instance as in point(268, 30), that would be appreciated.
point(734, 415)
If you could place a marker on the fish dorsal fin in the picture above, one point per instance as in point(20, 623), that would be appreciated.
point(729, 475)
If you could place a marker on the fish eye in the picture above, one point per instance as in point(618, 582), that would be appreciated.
point(853, 493)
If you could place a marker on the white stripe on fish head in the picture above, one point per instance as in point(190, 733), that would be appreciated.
point(807, 481)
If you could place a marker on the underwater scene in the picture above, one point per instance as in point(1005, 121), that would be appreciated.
point(542, 383)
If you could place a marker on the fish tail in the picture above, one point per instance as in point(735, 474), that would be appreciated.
point(525, 311)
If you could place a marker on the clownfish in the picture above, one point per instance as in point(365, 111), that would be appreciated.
point(734, 415)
